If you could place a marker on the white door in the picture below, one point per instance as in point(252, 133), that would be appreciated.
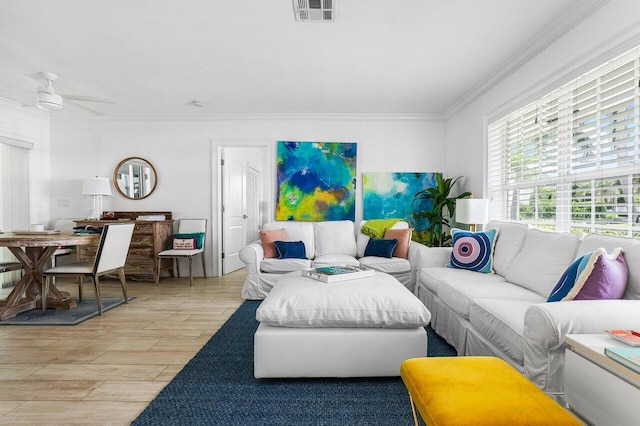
point(254, 196)
point(234, 216)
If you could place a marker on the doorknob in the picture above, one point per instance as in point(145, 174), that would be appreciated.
point(244, 216)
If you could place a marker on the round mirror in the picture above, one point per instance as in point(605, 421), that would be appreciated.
point(135, 178)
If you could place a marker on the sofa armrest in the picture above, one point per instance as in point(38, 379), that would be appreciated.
point(425, 257)
point(251, 255)
point(546, 324)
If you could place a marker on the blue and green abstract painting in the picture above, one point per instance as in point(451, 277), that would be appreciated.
point(390, 195)
point(316, 181)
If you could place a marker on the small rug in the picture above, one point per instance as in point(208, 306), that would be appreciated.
point(217, 387)
point(85, 310)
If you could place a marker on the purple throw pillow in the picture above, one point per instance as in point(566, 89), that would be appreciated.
point(594, 276)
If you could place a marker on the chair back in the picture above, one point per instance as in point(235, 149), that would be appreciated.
point(190, 226)
point(64, 225)
point(113, 247)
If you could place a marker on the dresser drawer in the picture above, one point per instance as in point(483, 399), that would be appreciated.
point(140, 253)
point(138, 240)
point(143, 228)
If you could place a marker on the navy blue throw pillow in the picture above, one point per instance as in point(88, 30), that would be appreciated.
point(380, 248)
point(290, 249)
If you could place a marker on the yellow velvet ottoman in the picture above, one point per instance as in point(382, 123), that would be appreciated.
point(477, 391)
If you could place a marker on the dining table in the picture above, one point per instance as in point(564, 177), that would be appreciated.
point(33, 249)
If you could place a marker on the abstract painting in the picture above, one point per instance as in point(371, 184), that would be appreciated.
point(390, 195)
point(316, 181)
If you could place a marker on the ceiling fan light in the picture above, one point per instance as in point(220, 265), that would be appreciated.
point(49, 101)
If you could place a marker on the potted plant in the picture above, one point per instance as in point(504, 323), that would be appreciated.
point(443, 207)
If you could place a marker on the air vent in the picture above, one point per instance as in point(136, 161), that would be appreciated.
point(314, 10)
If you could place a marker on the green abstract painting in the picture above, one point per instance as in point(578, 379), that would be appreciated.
point(316, 181)
point(390, 195)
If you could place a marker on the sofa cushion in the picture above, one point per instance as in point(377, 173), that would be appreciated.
point(296, 231)
point(395, 265)
point(336, 237)
point(542, 260)
point(433, 277)
point(280, 266)
point(404, 239)
point(268, 237)
point(363, 240)
point(335, 259)
point(631, 250)
point(593, 276)
point(508, 244)
point(501, 321)
point(459, 295)
point(473, 250)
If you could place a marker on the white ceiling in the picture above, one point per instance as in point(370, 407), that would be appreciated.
point(153, 57)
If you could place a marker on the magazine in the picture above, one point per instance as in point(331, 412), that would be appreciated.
point(630, 337)
point(629, 357)
point(330, 274)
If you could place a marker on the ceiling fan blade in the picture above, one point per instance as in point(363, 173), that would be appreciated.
point(30, 80)
point(14, 89)
point(84, 107)
point(86, 98)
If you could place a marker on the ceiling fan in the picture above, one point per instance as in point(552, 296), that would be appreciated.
point(49, 100)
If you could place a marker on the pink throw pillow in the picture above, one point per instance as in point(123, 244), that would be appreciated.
point(268, 237)
point(404, 238)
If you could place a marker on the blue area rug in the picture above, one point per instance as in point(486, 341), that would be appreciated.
point(85, 310)
point(217, 387)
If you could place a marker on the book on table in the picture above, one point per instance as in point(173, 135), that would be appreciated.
point(329, 274)
point(630, 337)
point(629, 357)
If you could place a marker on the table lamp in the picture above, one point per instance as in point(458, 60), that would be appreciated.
point(96, 187)
point(472, 211)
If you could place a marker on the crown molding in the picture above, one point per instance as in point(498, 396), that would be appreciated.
point(621, 42)
point(254, 117)
point(34, 112)
point(545, 38)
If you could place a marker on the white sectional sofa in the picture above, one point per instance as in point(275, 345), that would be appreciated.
point(326, 243)
point(506, 314)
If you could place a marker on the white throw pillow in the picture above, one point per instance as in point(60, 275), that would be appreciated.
point(336, 237)
point(543, 259)
point(296, 231)
point(510, 240)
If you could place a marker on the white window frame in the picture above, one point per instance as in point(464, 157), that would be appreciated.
point(577, 134)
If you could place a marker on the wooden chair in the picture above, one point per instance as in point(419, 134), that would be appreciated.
point(110, 258)
point(10, 266)
point(185, 226)
point(63, 225)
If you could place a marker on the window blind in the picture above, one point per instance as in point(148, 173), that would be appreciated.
point(571, 159)
point(14, 202)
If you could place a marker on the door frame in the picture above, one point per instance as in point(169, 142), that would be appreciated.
point(219, 145)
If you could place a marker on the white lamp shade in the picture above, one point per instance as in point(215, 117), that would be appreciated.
point(96, 186)
point(472, 211)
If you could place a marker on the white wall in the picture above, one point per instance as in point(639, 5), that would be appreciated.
point(183, 151)
point(609, 32)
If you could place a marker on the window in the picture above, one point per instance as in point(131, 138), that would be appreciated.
point(14, 187)
point(571, 160)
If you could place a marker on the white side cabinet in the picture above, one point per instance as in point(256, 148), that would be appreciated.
point(597, 388)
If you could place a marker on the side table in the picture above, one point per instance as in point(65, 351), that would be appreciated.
point(597, 388)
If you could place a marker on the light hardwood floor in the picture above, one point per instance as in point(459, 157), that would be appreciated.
point(107, 369)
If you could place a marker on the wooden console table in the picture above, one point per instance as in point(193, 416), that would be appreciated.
point(149, 238)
